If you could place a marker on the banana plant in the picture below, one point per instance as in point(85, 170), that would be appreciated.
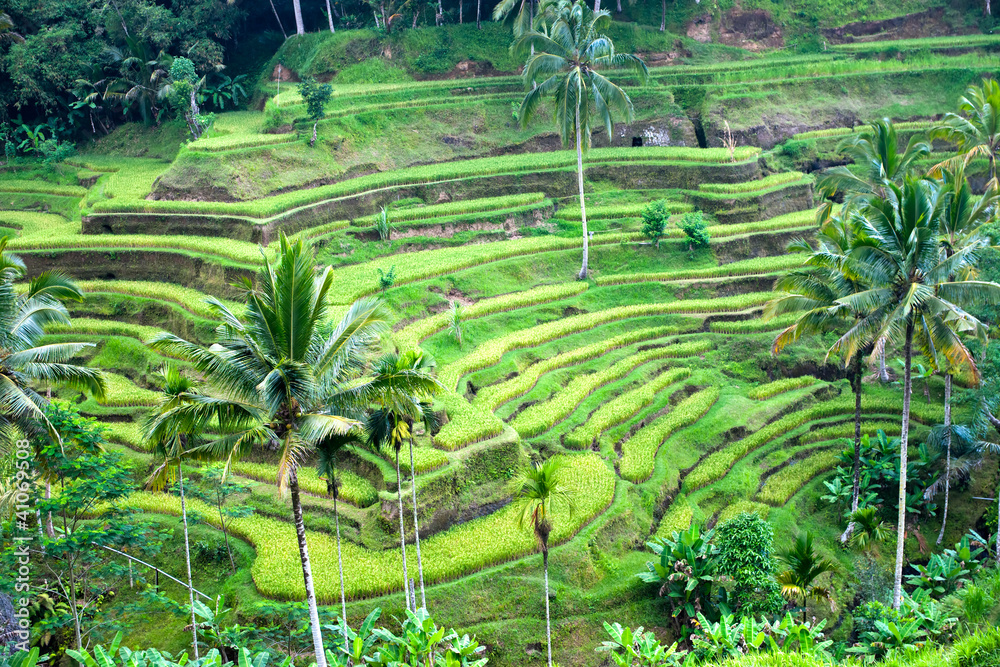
point(636, 648)
point(717, 640)
point(358, 644)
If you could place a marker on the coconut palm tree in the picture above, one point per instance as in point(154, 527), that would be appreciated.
point(876, 150)
point(279, 374)
point(515, 14)
point(976, 129)
point(564, 64)
point(23, 362)
point(962, 216)
point(300, 28)
point(404, 383)
point(805, 566)
point(812, 293)
point(911, 296)
point(170, 447)
point(540, 493)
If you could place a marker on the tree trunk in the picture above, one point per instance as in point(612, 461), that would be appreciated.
point(856, 486)
point(225, 532)
point(385, 21)
point(947, 456)
point(187, 557)
point(439, 19)
point(897, 586)
point(883, 373)
point(278, 19)
point(329, 15)
point(300, 534)
point(597, 5)
point(300, 28)
point(49, 528)
point(479, 6)
point(548, 623)
point(460, 7)
point(340, 558)
point(402, 531)
point(72, 604)
point(619, 8)
point(583, 205)
point(663, 21)
point(312, 143)
point(416, 527)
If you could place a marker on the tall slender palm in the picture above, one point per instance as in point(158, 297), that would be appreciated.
point(170, 447)
point(911, 294)
point(976, 129)
point(564, 65)
point(326, 464)
point(300, 28)
point(805, 566)
point(540, 493)
point(23, 362)
point(277, 373)
point(404, 384)
point(876, 150)
point(515, 14)
point(812, 293)
point(962, 216)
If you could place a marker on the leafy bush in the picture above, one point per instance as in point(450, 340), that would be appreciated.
point(685, 572)
point(694, 228)
point(745, 544)
point(654, 221)
point(947, 572)
point(630, 648)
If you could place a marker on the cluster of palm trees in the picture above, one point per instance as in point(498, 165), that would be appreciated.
point(895, 267)
point(283, 372)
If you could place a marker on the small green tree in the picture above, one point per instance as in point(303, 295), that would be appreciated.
point(693, 225)
point(745, 544)
point(654, 221)
point(315, 95)
point(183, 93)
point(386, 279)
point(455, 315)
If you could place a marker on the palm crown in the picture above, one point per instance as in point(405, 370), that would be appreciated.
point(565, 65)
point(23, 361)
point(280, 371)
point(977, 132)
point(541, 491)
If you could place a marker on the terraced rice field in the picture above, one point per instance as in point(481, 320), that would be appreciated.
point(637, 377)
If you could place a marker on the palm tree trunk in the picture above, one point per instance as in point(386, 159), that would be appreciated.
point(300, 28)
point(49, 528)
point(856, 487)
point(440, 15)
point(329, 15)
point(947, 456)
point(597, 5)
point(897, 586)
point(416, 527)
point(663, 21)
point(285, 34)
point(225, 533)
point(340, 557)
point(300, 534)
point(479, 6)
point(583, 204)
point(402, 531)
point(883, 373)
point(461, 4)
point(548, 623)
point(187, 558)
point(312, 142)
point(619, 6)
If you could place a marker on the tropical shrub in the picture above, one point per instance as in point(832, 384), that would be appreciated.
point(654, 221)
point(685, 572)
point(636, 648)
point(695, 229)
point(745, 544)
